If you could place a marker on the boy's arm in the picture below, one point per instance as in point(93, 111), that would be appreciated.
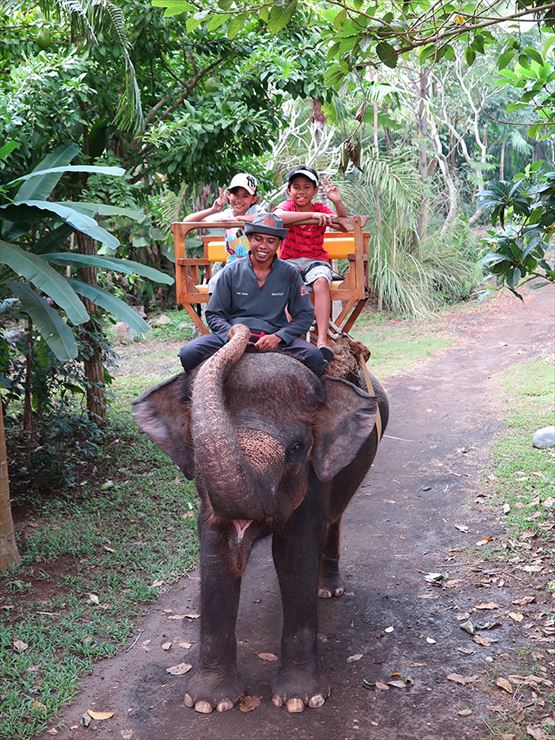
point(217, 206)
point(309, 217)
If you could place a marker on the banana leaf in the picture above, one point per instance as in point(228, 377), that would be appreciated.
point(110, 303)
point(52, 328)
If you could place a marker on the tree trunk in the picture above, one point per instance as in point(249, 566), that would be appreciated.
point(93, 363)
point(423, 216)
point(9, 554)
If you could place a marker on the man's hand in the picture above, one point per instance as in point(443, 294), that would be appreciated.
point(332, 191)
point(267, 343)
point(219, 204)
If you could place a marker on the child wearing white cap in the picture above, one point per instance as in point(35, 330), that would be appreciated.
point(241, 194)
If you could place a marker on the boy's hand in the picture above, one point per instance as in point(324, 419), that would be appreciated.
point(332, 191)
point(324, 219)
point(221, 200)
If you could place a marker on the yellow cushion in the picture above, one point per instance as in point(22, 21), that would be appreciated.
point(337, 247)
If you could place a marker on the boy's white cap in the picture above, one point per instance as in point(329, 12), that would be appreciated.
point(242, 180)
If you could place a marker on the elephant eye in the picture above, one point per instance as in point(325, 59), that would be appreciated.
point(295, 447)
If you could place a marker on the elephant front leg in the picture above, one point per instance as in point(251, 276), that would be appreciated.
point(214, 684)
point(330, 582)
point(300, 682)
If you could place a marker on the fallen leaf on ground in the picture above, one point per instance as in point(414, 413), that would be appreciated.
point(488, 625)
point(468, 627)
point(431, 641)
point(524, 600)
point(192, 615)
point(179, 669)
point(435, 578)
point(85, 719)
point(487, 605)
point(464, 712)
point(506, 508)
point(52, 731)
point(389, 629)
point(176, 616)
point(354, 658)
point(184, 644)
point(98, 716)
point(466, 651)
point(536, 732)
point(461, 527)
point(484, 541)
point(38, 705)
point(505, 684)
point(382, 686)
point(267, 657)
point(93, 599)
point(20, 646)
point(516, 616)
point(483, 641)
point(249, 703)
point(462, 680)
point(156, 584)
point(166, 645)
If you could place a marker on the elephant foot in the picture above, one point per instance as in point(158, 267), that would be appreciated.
point(209, 690)
point(297, 690)
point(330, 585)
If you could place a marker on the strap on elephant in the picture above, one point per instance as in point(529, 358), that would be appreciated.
point(372, 392)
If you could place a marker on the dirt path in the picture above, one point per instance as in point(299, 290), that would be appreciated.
point(400, 526)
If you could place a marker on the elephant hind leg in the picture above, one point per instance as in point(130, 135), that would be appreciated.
point(330, 583)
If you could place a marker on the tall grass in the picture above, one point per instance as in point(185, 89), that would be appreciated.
point(408, 275)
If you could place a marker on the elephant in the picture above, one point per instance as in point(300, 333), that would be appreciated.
point(274, 450)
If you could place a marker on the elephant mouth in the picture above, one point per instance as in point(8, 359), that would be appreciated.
point(241, 526)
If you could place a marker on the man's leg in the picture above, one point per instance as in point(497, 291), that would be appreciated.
point(197, 350)
point(307, 353)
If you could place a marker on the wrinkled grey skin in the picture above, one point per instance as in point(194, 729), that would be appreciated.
point(276, 450)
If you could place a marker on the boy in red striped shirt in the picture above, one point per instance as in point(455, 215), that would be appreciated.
point(304, 243)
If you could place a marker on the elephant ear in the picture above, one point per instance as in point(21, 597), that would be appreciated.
point(342, 426)
point(164, 413)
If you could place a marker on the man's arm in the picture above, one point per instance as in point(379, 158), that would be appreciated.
point(300, 309)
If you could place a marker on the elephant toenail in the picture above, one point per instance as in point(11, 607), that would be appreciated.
point(277, 700)
point(188, 701)
point(339, 591)
point(204, 707)
point(316, 701)
point(295, 705)
point(324, 593)
point(224, 705)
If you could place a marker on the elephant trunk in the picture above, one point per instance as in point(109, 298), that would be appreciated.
point(223, 472)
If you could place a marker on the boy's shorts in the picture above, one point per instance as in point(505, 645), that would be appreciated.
point(311, 270)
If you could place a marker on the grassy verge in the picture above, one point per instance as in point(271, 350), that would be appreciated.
point(95, 556)
point(523, 475)
point(521, 482)
point(398, 345)
point(92, 561)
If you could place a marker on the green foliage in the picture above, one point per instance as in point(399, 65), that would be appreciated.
point(408, 275)
point(364, 33)
point(520, 248)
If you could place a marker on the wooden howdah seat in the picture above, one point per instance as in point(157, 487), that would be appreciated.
point(193, 273)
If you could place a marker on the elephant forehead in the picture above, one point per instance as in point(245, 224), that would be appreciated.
point(260, 448)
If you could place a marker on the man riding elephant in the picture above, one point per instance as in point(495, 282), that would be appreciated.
point(256, 292)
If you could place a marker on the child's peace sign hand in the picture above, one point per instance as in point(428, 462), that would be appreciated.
point(332, 191)
point(219, 203)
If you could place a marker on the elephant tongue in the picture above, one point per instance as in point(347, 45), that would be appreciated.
point(241, 526)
